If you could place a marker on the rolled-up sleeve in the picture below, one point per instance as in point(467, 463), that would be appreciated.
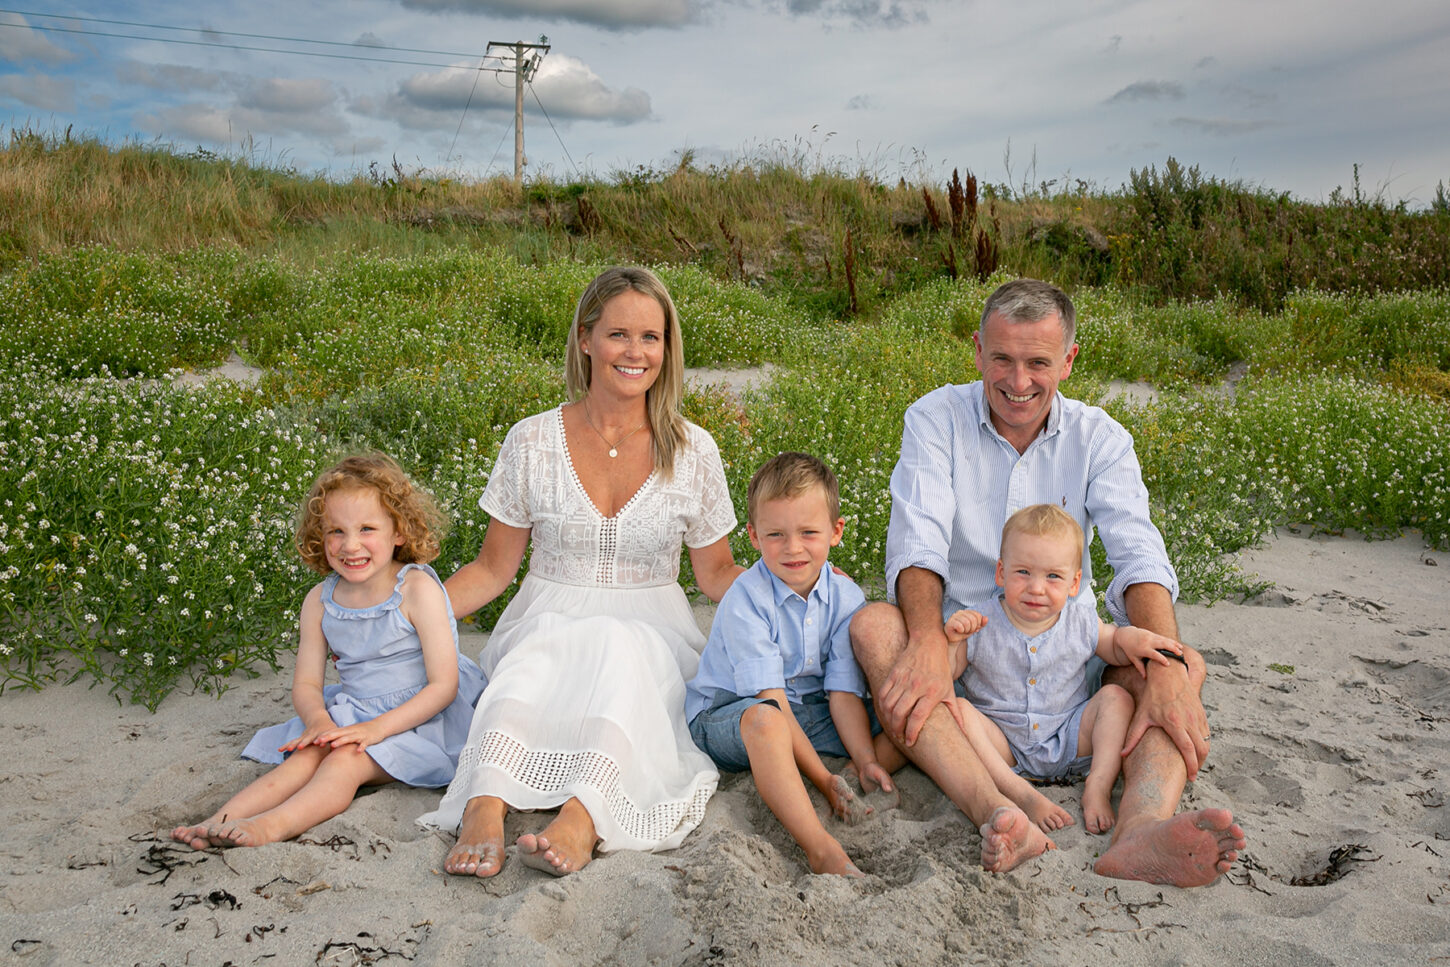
point(748, 641)
point(842, 672)
point(919, 534)
point(1117, 501)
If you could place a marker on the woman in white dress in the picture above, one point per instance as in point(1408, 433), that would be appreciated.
point(584, 709)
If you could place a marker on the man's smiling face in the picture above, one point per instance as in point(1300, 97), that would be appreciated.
point(1021, 364)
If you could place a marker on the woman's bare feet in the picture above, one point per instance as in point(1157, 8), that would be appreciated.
point(1097, 806)
point(1009, 839)
point(479, 850)
point(564, 846)
point(1190, 849)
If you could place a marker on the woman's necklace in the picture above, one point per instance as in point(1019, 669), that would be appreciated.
point(613, 447)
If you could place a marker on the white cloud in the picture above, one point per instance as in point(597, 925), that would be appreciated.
point(39, 90)
point(866, 13)
point(567, 88)
point(610, 14)
point(20, 42)
point(289, 97)
point(173, 77)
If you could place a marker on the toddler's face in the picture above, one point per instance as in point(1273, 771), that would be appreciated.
point(1037, 574)
point(360, 534)
point(794, 535)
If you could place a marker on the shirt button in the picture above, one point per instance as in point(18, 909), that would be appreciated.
point(1032, 681)
point(810, 621)
point(1034, 726)
point(1033, 649)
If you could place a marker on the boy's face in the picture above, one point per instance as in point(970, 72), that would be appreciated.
point(794, 535)
point(1037, 574)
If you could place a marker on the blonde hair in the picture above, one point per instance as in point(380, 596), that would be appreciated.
point(790, 475)
point(663, 399)
point(1044, 520)
point(414, 512)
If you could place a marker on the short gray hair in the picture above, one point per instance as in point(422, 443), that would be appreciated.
point(1031, 300)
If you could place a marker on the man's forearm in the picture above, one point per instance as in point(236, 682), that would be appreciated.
point(919, 596)
point(1150, 606)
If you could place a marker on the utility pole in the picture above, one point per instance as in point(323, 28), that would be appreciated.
point(527, 58)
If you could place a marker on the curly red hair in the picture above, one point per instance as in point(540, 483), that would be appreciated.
point(414, 512)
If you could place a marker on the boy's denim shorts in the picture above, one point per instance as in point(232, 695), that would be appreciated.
point(717, 729)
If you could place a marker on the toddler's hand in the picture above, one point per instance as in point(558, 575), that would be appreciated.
point(964, 624)
point(874, 777)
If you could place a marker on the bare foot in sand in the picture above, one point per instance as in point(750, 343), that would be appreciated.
point(564, 846)
point(240, 832)
point(1045, 814)
point(479, 850)
point(832, 860)
point(193, 836)
point(1190, 849)
point(1009, 839)
point(1097, 807)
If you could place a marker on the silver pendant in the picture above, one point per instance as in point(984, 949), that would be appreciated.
point(613, 452)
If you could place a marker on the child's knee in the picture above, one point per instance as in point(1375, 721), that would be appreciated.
point(763, 722)
point(1114, 697)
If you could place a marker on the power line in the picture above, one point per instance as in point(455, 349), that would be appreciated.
point(233, 33)
point(554, 129)
point(248, 47)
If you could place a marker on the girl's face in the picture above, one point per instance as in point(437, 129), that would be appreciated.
point(626, 346)
point(359, 536)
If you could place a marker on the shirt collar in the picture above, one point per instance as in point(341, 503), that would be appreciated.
point(783, 593)
point(984, 414)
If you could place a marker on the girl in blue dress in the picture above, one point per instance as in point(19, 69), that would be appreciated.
point(403, 707)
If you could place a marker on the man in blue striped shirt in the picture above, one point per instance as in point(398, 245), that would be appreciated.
point(970, 456)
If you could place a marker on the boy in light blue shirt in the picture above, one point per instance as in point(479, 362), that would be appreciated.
point(777, 683)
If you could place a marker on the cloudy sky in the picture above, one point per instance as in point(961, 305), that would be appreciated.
point(1285, 94)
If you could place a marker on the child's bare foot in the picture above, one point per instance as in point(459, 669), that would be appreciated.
point(1097, 808)
point(1009, 839)
point(831, 859)
point(240, 832)
point(479, 850)
point(1190, 849)
point(193, 836)
point(1045, 814)
point(564, 846)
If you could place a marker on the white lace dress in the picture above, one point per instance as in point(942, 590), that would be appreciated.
point(587, 665)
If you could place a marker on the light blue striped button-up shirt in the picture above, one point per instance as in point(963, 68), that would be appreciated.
point(958, 481)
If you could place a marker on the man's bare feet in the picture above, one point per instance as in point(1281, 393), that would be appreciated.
point(1009, 839)
point(564, 846)
point(1190, 849)
point(240, 832)
point(193, 836)
point(1097, 807)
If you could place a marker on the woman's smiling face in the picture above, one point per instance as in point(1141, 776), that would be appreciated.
point(626, 345)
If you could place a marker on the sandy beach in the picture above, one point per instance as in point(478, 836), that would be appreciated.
point(1329, 699)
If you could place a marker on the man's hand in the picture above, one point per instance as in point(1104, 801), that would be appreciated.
point(919, 681)
point(1170, 702)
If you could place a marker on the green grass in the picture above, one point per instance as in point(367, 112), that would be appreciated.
point(145, 528)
